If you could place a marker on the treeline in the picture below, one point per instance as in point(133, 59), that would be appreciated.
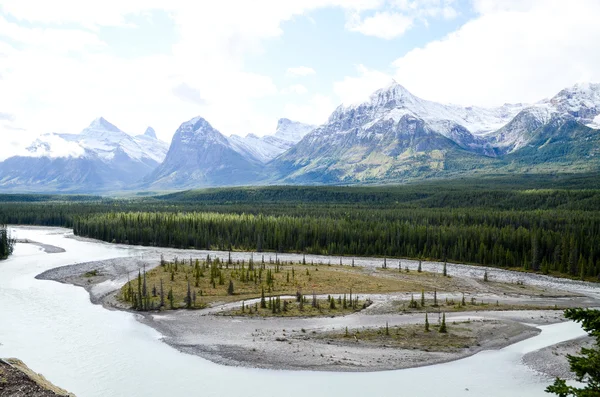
point(505, 222)
point(548, 241)
point(6, 243)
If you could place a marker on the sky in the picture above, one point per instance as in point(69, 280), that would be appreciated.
point(242, 64)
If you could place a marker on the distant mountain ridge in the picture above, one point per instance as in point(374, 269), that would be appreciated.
point(99, 158)
point(395, 136)
point(392, 137)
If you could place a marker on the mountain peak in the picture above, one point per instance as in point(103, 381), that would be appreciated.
point(196, 125)
point(150, 133)
point(391, 91)
point(283, 122)
point(102, 124)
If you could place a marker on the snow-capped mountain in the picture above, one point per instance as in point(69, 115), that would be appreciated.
point(395, 135)
point(100, 157)
point(266, 148)
point(200, 155)
point(580, 103)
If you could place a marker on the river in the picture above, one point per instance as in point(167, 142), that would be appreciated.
point(92, 351)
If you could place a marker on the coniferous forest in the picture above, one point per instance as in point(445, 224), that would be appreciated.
point(543, 225)
point(6, 243)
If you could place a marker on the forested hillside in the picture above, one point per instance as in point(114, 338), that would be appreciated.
point(496, 222)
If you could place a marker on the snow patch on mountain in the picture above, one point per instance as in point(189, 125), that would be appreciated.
point(100, 139)
point(266, 148)
point(394, 102)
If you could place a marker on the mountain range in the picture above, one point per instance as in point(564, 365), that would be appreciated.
point(392, 137)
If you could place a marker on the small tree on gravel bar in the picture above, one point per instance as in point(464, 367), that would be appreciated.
point(426, 322)
point(443, 328)
point(230, 289)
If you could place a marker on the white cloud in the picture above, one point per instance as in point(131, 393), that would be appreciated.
point(57, 75)
point(295, 89)
point(385, 25)
point(316, 111)
point(300, 71)
point(515, 51)
point(356, 89)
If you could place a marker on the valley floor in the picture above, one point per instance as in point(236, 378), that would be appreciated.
point(318, 343)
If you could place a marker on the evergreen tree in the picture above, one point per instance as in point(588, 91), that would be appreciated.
point(230, 289)
point(188, 297)
point(445, 270)
point(144, 290)
point(422, 298)
point(426, 322)
point(485, 276)
point(162, 295)
point(443, 329)
point(419, 269)
point(586, 366)
point(171, 298)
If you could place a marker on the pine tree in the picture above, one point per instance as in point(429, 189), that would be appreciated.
point(422, 298)
point(426, 322)
point(387, 329)
point(445, 271)
point(230, 289)
point(485, 276)
point(144, 290)
point(162, 294)
point(171, 298)
point(435, 302)
point(188, 297)
point(443, 329)
point(419, 269)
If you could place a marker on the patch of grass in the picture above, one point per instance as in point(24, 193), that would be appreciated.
point(444, 305)
point(91, 273)
point(293, 308)
point(209, 281)
point(410, 337)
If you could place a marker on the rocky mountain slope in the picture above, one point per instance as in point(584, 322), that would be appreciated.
point(396, 136)
point(201, 156)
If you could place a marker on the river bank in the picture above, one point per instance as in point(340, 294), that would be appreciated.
point(94, 352)
point(296, 343)
point(17, 379)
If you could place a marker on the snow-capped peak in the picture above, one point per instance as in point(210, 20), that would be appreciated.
point(292, 131)
point(103, 125)
point(196, 125)
point(150, 133)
